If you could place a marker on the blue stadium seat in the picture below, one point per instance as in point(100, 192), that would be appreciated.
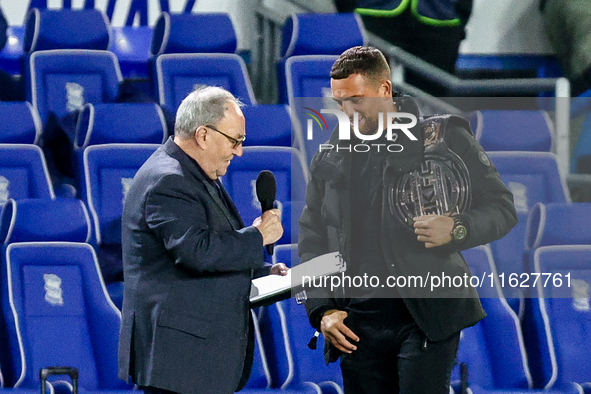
point(513, 130)
point(267, 125)
point(34, 220)
point(19, 123)
point(196, 49)
point(532, 177)
point(581, 156)
point(286, 332)
point(12, 52)
point(23, 173)
point(120, 123)
point(308, 86)
point(285, 163)
point(564, 319)
point(548, 226)
point(63, 314)
point(316, 34)
point(260, 378)
point(131, 45)
point(108, 172)
point(287, 254)
point(493, 350)
point(68, 64)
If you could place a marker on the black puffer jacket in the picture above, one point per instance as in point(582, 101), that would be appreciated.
point(326, 221)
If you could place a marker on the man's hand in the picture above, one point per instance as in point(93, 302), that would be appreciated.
point(279, 269)
point(269, 224)
point(336, 332)
point(434, 230)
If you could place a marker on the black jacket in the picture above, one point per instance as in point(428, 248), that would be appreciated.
point(325, 227)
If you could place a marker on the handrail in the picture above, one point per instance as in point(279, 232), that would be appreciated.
point(457, 85)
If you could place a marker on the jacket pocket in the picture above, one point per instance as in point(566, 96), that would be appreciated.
point(185, 323)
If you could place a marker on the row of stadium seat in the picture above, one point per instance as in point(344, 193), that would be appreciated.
point(55, 300)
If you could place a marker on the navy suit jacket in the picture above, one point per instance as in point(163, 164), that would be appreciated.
point(188, 262)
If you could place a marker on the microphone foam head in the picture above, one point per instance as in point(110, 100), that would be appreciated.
point(266, 186)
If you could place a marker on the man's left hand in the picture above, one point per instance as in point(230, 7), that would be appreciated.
point(433, 230)
point(279, 269)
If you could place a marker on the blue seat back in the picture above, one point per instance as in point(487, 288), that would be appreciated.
point(581, 157)
point(109, 170)
point(513, 130)
point(23, 173)
point(564, 312)
point(66, 29)
point(62, 81)
point(321, 34)
point(267, 125)
point(19, 123)
point(193, 33)
point(291, 362)
point(287, 254)
point(260, 377)
point(532, 177)
point(178, 74)
point(316, 34)
point(493, 349)
point(284, 163)
point(33, 220)
point(120, 123)
point(308, 86)
point(62, 312)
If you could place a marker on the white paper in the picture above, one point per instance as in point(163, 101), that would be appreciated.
point(267, 286)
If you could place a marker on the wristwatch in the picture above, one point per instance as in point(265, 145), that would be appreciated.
point(459, 231)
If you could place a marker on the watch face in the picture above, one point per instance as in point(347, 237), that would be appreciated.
point(460, 233)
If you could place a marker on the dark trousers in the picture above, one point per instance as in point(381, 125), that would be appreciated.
point(397, 360)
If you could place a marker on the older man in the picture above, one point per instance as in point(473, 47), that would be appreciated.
point(188, 258)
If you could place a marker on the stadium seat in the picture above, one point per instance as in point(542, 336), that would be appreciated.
point(34, 220)
point(267, 125)
point(287, 254)
point(493, 350)
point(196, 49)
point(530, 131)
point(581, 157)
point(284, 163)
point(108, 172)
point(308, 86)
point(549, 225)
point(532, 177)
point(316, 34)
point(120, 123)
point(131, 45)
point(286, 331)
point(563, 318)
point(23, 173)
point(19, 123)
point(63, 314)
point(67, 63)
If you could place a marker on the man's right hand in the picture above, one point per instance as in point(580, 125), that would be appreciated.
point(336, 332)
point(269, 224)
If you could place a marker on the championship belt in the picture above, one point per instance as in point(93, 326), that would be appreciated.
point(441, 185)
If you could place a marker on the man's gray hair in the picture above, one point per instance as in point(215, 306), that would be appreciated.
point(206, 105)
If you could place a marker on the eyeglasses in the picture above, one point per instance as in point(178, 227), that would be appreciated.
point(236, 142)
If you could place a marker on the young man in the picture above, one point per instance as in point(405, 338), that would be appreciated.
point(397, 213)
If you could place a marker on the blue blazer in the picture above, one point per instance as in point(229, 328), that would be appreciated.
point(188, 262)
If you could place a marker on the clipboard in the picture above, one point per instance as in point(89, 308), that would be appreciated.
point(272, 288)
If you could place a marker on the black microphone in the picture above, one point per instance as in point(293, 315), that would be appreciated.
point(266, 190)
